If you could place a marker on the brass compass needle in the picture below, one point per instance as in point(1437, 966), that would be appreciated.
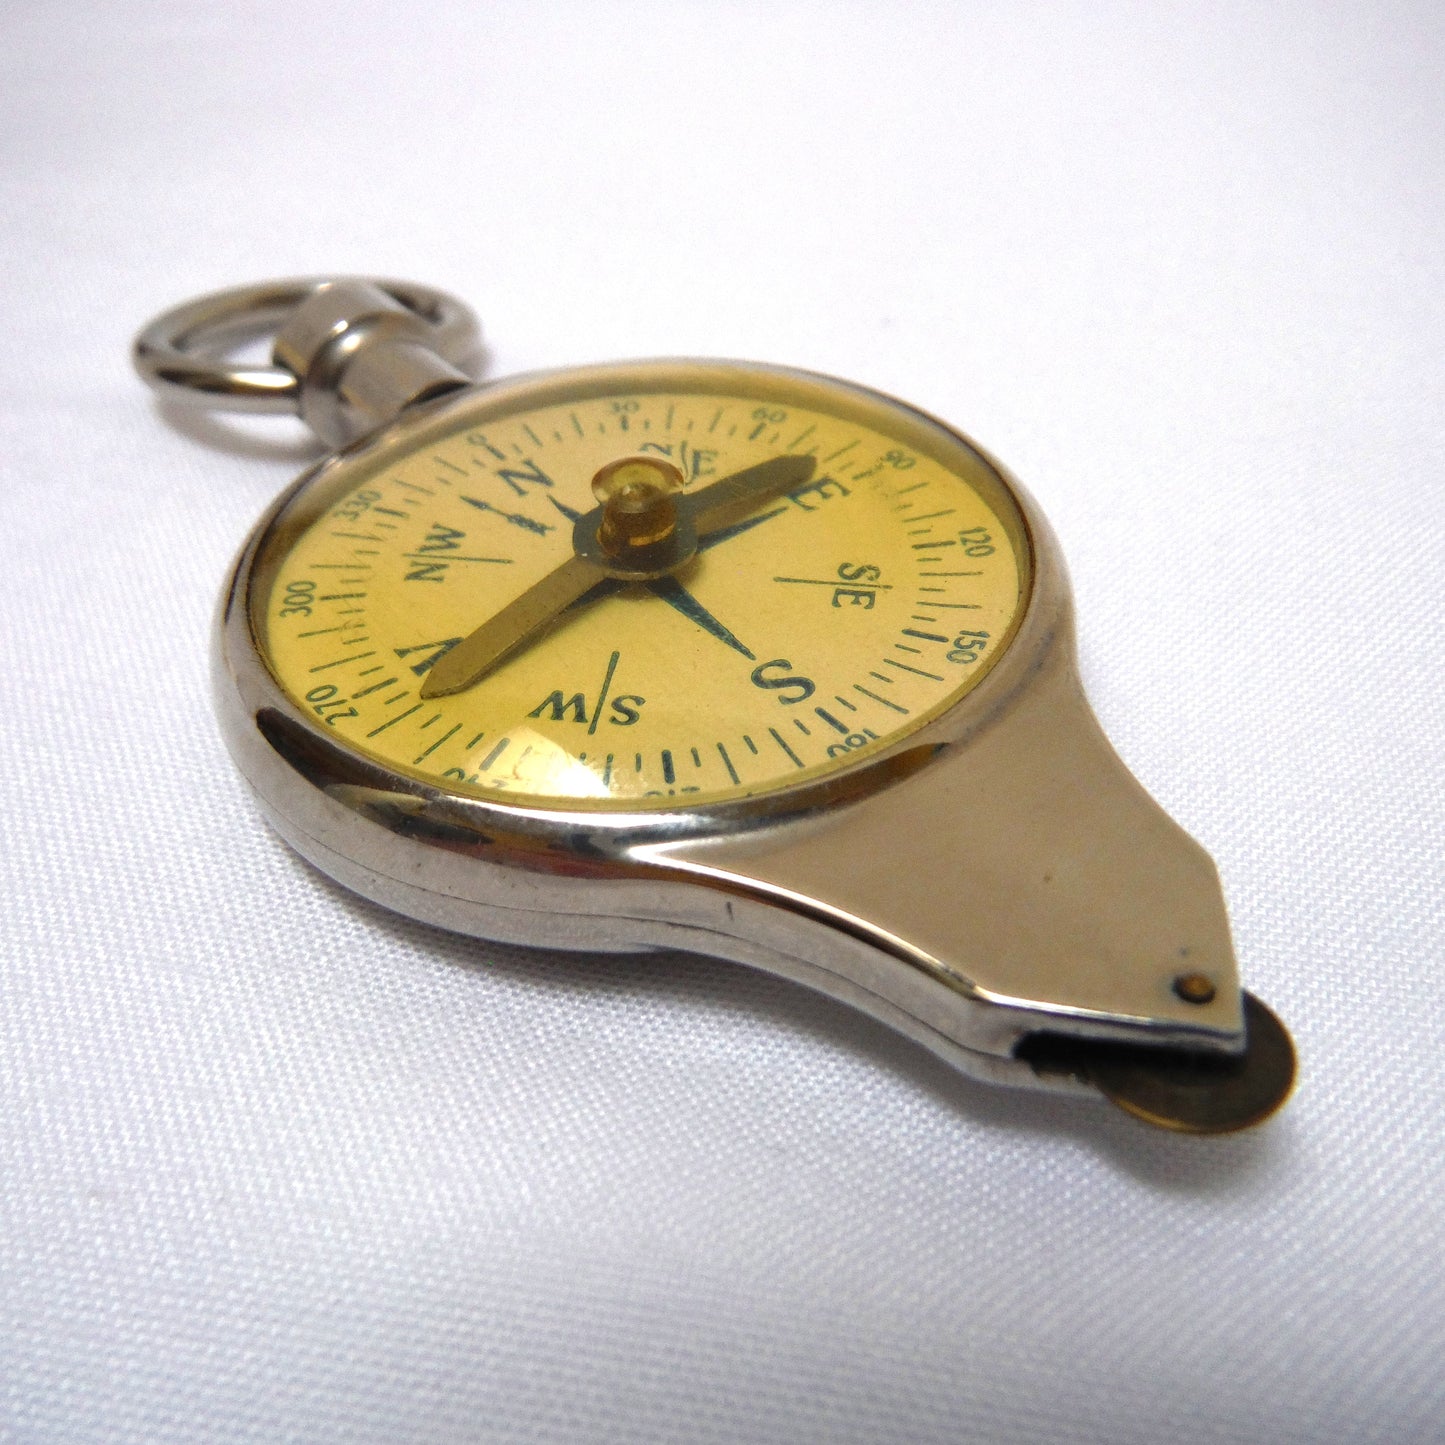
point(729, 500)
point(481, 650)
point(721, 505)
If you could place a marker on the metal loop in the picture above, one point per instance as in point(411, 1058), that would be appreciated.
point(181, 352)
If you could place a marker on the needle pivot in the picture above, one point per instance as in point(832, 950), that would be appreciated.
point(639, 503)
point(643, 528)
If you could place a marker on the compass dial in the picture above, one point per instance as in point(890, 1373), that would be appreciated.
point(810, 626)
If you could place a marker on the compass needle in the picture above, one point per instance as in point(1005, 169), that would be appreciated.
point(724, 502)
point(481, 665)
point(635, 514)
point(465, 664)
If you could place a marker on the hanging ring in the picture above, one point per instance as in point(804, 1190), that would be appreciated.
point(181, 352)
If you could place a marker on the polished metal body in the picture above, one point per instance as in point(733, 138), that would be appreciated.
point(993, 879)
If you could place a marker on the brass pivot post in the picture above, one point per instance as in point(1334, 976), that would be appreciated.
point(639, 503)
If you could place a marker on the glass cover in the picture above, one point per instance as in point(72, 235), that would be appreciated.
point(837, 616)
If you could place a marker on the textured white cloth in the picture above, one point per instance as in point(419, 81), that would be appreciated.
point(277, 1166)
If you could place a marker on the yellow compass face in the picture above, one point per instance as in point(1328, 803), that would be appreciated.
point(830, 619)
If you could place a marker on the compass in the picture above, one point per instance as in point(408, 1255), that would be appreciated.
point(707, 655)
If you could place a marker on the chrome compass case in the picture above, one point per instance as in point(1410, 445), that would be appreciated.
point(707, 656)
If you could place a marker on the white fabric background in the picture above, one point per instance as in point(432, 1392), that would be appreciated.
point(277, 1166)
